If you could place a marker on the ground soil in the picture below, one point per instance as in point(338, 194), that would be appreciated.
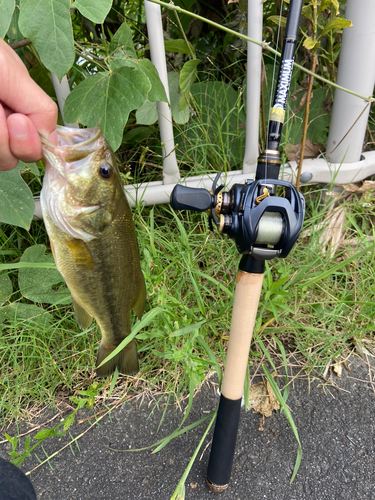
point(336, 427)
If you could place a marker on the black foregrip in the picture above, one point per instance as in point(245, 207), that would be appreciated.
point(223, 443)
point(186, 198)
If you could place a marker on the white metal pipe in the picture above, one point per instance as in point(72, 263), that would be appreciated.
point(62, 91)
point(320, 171)
point(356, 72)
point(254, 73)
point(171, 172)
point(315, 171)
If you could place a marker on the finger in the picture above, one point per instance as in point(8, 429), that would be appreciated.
point(24, 141)
point(20, 93)
point(12, 55)
point(7, 110)
point(7, 160)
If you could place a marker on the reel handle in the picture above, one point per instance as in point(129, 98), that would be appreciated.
point(187, 198)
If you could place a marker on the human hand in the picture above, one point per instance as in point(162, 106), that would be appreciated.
point(25, 110)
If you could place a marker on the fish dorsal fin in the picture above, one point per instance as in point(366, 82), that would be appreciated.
point(80, 254)
point(83, 318)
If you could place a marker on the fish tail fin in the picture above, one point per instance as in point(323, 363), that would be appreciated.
point(126, 360)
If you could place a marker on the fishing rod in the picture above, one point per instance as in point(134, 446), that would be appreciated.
point(264, 217)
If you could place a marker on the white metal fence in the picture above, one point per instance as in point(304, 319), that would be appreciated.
point(344, 162)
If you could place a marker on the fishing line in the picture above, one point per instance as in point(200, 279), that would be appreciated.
point(269, 162)
point(264, 217)
point(350, 129)
point(273, 76)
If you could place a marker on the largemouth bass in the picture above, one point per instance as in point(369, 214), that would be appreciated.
point(91, 231)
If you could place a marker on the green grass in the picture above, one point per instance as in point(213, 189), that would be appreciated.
point(322, 307)
point(316, 306)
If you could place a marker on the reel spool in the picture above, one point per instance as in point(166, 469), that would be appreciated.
point(260, 221)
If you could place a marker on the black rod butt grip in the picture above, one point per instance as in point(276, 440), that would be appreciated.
point(223, 444)
point(187, 198)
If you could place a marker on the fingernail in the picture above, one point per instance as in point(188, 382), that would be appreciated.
point(18, 126)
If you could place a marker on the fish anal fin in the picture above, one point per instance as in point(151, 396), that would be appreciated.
point(139, 305)
point(80, 254)
point(83, 318)
point(126, 360)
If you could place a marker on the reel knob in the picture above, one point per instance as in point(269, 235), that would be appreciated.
point(186, 198)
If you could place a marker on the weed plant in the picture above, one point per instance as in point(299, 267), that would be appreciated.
point(316, 305)
point(321, 307)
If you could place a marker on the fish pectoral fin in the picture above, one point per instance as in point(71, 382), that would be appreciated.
point(83, 318)
point(139, 305)
point(80, 254)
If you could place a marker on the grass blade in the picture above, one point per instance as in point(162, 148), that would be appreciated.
point(289, 417)
point(179, 493)
point(147, 318)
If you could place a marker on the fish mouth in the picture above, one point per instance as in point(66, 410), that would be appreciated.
point(73, 145)
point(75, 138)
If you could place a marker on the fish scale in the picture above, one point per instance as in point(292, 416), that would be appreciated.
point(101, 268)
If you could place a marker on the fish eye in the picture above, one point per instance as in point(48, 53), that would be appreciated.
point(105, 170)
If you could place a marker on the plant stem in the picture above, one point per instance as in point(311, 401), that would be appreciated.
point(184, 35)
point(306, 120)
point(309, 91)
point(264, 45)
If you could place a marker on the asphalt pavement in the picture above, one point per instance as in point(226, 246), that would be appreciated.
point(336, 426)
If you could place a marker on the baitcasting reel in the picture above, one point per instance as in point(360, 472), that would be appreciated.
point(264, 217)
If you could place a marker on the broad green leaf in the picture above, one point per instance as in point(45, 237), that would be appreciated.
point(137, 135)
point(6, 9)
point(33, 167)
point(175, 96)
point(14, 34)
point(279, 20)
point(106, 99)
point(123, 40)
point(336, 24)
point(39, 285)
point(318, 118)
point(307, 12)
point(47, 23)
point(326, 3)
point(336, 4)
point(147, 114)
point(310, 44)
point(188, 75)
point(6, 288)
point(180, 46)
point(157, 91)
point(95, 10)
point(16, 200)
point(184, 18)
point(24, 314)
